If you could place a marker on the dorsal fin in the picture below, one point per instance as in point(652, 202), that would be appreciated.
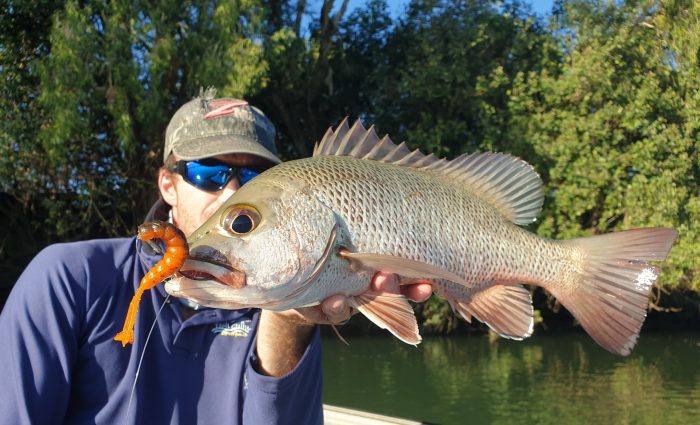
point(508, 183)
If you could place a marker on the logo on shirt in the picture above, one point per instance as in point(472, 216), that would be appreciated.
point(229, 328)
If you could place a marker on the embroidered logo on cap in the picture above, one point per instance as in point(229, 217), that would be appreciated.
point(239, 329)
point(223, 107)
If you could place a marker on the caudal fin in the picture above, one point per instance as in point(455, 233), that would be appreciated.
point(611, 298)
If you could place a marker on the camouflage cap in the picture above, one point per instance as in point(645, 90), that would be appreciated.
point(206, 127)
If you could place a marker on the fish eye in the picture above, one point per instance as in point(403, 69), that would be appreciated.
point(242, 224)
point(241, 220)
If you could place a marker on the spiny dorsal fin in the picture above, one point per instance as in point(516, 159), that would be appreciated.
point(508, 183)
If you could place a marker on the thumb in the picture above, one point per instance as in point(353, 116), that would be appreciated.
point(336, 308)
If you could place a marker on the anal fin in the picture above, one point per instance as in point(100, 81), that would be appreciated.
point(507, 309)
point(389, 311)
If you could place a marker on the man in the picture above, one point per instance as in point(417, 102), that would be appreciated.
point(194, 365)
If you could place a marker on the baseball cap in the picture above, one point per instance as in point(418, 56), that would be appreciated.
point(206, 127)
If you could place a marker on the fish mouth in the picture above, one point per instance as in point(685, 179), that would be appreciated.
point(200, 269)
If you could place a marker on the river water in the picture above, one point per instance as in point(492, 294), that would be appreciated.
point(558, 379)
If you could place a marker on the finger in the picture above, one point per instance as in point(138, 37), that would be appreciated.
point(385, 282)
point(417, 292)
point(336, 308)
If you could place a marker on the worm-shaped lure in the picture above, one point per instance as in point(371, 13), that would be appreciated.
point(176, 251)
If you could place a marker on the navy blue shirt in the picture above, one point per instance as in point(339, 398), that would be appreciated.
point(59, 362)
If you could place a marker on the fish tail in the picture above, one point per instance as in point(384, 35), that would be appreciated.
point(609, 291)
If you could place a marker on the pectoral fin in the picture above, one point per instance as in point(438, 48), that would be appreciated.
point(507, 309)
point(389, 311)
point(402, 266)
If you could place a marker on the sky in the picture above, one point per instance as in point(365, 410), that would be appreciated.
point(540, 7)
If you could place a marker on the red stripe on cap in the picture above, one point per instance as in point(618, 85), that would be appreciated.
point(224, 107)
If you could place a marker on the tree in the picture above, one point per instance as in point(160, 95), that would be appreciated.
point(299, 96)
point(448, 70)
point(616, 127)
point(23, 42)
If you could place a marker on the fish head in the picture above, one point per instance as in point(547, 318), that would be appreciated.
point(259, 249)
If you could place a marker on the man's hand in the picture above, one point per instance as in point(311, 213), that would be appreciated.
point(284, 335)
point(335, 309)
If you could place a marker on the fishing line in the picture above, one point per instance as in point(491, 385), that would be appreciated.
point(335, 329)
point(337, 333)
point(138, 368)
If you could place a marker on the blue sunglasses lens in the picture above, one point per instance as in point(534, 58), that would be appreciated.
point(210, 177)
point(213, 176)
point(246, 174)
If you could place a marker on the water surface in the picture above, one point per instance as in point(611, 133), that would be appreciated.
point(542, 380)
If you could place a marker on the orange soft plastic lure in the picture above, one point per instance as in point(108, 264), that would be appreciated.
point(176, 251)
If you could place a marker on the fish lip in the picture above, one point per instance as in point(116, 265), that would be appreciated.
point(217, 271)
point(217, 263)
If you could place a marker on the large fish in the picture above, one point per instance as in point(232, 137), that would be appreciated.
point(308, 229)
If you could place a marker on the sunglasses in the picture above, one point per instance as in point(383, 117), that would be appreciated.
point(211, 175)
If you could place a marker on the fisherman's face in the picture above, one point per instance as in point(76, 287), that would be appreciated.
point(192, 206)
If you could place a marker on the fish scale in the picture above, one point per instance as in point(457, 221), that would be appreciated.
point(387, 192)
point(324, 225)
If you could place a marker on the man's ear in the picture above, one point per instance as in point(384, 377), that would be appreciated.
point(166, 185)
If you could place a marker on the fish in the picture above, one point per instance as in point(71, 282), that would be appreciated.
point(311, 228)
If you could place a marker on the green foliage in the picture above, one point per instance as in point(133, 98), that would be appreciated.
point(301, 94)
point(449, 65)
point(614, 131)
point(437, 317)
point(23, 40)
